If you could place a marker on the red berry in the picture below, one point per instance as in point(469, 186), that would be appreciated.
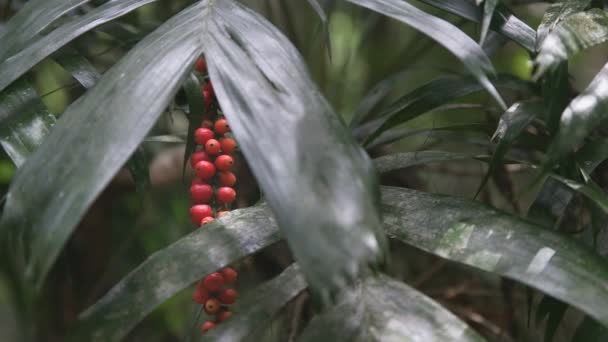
point(208, 98)
point(197, 181)
point(212, 147)
point(223, 315)
point(227, 179)
point(227, 296)
point(209, 88)
point(199, 212)
point(229, 275)
point(212, 306)
point(198, 156)
point(206, 220)
point(225, 195)
point(221, 126)
point(213, 281)
point(224, 162)
point(201, 193)
point(207, 124)
point(222, 213)
point(207, 326)
point(228, 145)
point(204, 169)
point(201, 65)
point(202, 135)
point(200, 295)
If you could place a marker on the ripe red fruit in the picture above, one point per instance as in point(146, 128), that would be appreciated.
point(222, 213)
point(197, 157)
point(209, 88)
point(202, 135)
point(208, 98)
point(225, 195)
point(201, 65)
point(212, 147)
point(228, 145)
point(224, 162)
point(206, 220)
point(197, 181)
point(207, 326)
point(204, 169)
point(227, 296)
point(201, 193)
point(212, 306)
point(223, 315)
point(227, 179)
point(229, 275)
point(221, 126)
point(213, 281)
point(199, 212)
point(200, 295)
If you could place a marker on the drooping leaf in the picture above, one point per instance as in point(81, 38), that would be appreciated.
point(444, 33)
point(482, 237)
point(24, 121)
point(503, 21)
point(555, 91)
point(286, 130)
point(589, 188)
point(28, 22)
point(512, 123)
point(48, 196)
point(554, 14)
point(79, 67)
point(383, 309)
point(374, 96)
point(170, 270)
point(584, 114)
point(403, 160)
point(488, 13)
point(432, 95)
point(573, 34)
point(324, 21)
point(396, 134)
point(196, 110)
point(31, 54)
point(255, 311)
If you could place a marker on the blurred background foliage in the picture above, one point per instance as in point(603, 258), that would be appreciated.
point(125, 225)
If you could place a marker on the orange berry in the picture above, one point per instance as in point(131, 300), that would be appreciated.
point(199, 212)
point(227, 296)
point(224, 162)
point(228, 145)
point(227, 178)
point(212, 147)
point(201, 65)
point(204, 169)
point(221, 126)
point(201, 193)
point(222, 213)
point(202, 135)
point(229, 275)
point(223, 315)
point(225, 195)
point(207, 326)
point(206, 220)
point(212, 306)
point(213, 281)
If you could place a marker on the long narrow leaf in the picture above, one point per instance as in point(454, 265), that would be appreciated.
point(503, 21)
point(48, 196)
point(444, 33)
point(488, 12)
point(583, 115)
point(383, 309)
point(479, 236)
point(34, 17)
point(572, 35)
point(296, 144)
point(555, 14)
point(172, 269)
point(24, 121)
point(18, 64)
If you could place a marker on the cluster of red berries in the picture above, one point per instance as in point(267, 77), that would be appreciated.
point(212, 163)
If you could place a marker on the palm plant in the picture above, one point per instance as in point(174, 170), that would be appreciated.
point(320, 189)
